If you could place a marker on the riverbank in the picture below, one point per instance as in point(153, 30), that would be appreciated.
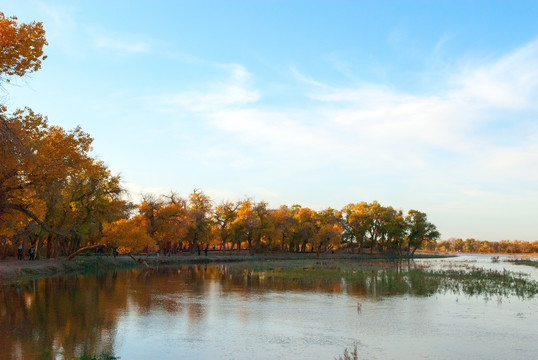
point(13, 270)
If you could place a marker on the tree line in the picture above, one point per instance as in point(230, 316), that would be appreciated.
point(485, 247)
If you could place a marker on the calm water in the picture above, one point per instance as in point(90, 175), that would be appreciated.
point(231, 312)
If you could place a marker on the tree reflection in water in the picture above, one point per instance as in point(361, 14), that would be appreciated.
point(76, 315)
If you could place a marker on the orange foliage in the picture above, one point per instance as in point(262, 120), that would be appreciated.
point(128, 236)
point(21, 46)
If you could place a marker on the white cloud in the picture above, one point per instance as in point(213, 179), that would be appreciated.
point(235, 91)
point(220, 95)
point(508, 82)
point(305, 79)
point(119, 45)
point(421, 148)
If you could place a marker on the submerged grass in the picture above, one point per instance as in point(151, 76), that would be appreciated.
point(527, 262)
point(352, 354)
point(98, 357)
point(385, 277)
point(478, 281)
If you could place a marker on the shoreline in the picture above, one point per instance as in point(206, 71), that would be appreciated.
point(14, 271)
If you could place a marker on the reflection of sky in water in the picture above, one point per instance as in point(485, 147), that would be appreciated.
point(483, 261)
point(263, 326)
point(306, 325)
point(212, 312)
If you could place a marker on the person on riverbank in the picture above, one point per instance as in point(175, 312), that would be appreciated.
point(31, 253)
point(19, 252)
point(205, 250)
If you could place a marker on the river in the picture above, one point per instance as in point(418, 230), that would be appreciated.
point(238, 312)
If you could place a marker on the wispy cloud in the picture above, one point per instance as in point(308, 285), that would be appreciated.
point(234, 91)
point(119, 45)
point(444, 142)
point(305, 79)
point(373, 126)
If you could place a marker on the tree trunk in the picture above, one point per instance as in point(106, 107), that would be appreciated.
point(51, 246)
point(249, 240)
point(140, 261)
point(87, 248)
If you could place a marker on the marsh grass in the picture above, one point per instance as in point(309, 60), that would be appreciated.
point(352, 354)
point(478, 281)
point(384, 277)
point(98, 357)
point(527, 262)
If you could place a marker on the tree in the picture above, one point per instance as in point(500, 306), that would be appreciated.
point(167, 220)
point(394, 230)
point(420, 230)
point(149, 209)
point(264, 224)
point(199, 225)
point(305, 227)
point(49, 176)
point(357, 223)
point(21, 47)
point(375, 213)
point(329, 234)
point(282, 223)
point(245, 224)
point(223, 216)
point(128, 236)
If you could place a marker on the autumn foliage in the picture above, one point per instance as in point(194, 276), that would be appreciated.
point(128, 236)
point(21, 47)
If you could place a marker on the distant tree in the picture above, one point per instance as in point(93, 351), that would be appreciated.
point(263, 228)
point(223, 216)
point(356, 223)
point(395, 229)
point(329, 230)
point(305, 227)
point(375, 213)
point(245, 224)
point(199, 224)
point(282, 224)
point(420, 230)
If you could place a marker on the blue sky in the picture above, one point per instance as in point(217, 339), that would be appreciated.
point(426, 105)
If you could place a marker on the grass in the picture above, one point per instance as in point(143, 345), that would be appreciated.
point(352, 354)
point(478, 281)
point(525, 262)
point(98, 357)
point(385, 277)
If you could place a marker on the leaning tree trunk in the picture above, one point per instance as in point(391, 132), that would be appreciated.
point(140, 261)
point(81, 250)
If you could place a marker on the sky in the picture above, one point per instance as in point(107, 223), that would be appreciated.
point(427, 105)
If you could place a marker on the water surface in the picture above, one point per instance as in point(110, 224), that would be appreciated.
point(240, 311)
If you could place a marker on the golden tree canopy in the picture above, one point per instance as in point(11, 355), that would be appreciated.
point(21, 47)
